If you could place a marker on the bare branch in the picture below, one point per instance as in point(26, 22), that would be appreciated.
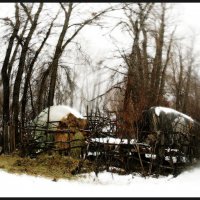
point(115, 70)
point(116, 86)
point(86, 22)
point(27, 12)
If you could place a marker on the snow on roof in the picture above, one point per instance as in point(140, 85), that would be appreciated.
point(170, 110)
point(57, 112)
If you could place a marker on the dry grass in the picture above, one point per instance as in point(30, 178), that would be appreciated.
point(52, 166)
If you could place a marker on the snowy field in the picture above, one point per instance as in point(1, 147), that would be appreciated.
point(105, 185)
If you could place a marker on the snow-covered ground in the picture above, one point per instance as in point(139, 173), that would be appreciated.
point(105, 185)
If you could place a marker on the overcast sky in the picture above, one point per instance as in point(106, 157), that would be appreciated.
point(187, 16)
point(99, 46)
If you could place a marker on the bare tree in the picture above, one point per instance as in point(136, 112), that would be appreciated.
point(18, 79)
point(63, 43)
point(29, 73)
point(147, 61)
point(183, 68)
point(6, 78)
point(137, 16)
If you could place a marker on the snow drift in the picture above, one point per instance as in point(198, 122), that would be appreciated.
point(105, 185)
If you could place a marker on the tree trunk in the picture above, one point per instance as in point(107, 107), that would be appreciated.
point(6, 82)
point(57, 55)
point(158, 63)
point(17, 84)
point(28, 77)
point(187, 89)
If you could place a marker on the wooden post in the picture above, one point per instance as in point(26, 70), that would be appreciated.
point(12, 137)
point(47, 123)
point(5, 138)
